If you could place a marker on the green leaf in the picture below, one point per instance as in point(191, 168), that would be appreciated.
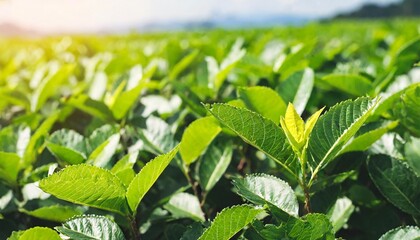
point(261, 189)
point(56, 213)
point(355, 85)
point(297, 89)
point(312, 226)
point(197, 136)
point(364, 141)
point(213, 164)
point(91, 227)
point(68, 146)
point(310, 123)
point(287, 64)
point(123, 169)
point(183, 64)
point(185, 205)
point(193, 232)
point(258, 131)
point(408, 110)
point(102, 155)
point(9, 167)
point(99, 136)
point(340, 213)
point(323, 182)
point(406, 233)
point(218, 74)
point(147, 176)
point(158, 136)
point(397, 182)
point(230, 221)
point(189, 97)
point(335, 128)
point(95, 108)
point(42, 130)
point(126, 100)
point(294, 127)
point(412, 154)
point(87, 185)
point(14, 139)
point(15, 97)
point(48, 86)
point(390, 98)
point(264, 101)
point(39, 233)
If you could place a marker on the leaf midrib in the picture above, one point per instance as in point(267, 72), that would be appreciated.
point(396, 187)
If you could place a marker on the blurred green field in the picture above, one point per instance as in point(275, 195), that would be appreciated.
point(133, 96)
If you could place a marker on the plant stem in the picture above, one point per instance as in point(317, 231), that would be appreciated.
point(135, 233)
point(197, 190)
point(307, 206)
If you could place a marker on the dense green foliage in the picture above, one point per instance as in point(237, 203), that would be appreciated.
point(293, 133)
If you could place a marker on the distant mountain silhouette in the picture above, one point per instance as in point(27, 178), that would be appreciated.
point(12, 30)
point(406, 8)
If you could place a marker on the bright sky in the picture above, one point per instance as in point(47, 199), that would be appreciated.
point(91, 15)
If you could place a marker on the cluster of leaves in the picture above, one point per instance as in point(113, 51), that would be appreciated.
point(257, 134)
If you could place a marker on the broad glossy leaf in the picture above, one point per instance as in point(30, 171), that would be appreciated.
point(340, 213)
point(147, 176)
point(397, 182)
point(393, 94)
point(56, 213)
point(126, 100)
point(91, 227)
point(297, 88)
point(39, 233)
point(95, 108)
point(102, 155)
point(230, 221)
point(185, 205)
point(158, 136)
point(87, 185)
point(264, 101)
point(9, 167)
point(14, 139)
point(355, 85)
point(335, 128)
point(364, 141)
point(388, 144)
point(258, 131)
point(408, 110)
point(412, 154)
point(196, 138)
point(99, 136)
point(213, 164)
point(65, 154)
point(262, 188)
point(68, 146)
point(406, 233)
point(406, 56)
point(123, 169)
point(312, 226)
